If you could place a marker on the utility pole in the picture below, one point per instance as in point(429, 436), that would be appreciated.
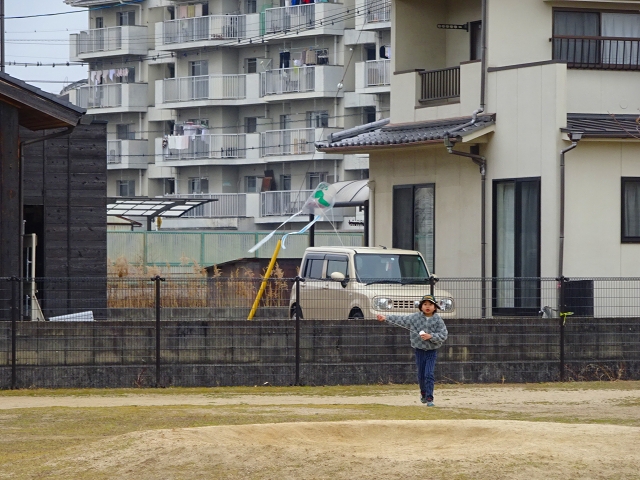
point(2, 36)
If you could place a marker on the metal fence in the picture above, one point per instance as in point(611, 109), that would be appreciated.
point(288, 80)
point(120, 331)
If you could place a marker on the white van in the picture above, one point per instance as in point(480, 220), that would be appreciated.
point(345, 282)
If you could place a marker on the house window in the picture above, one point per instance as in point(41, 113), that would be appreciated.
point(99, 22)
point(198, 185)
point(253, 184)
point(591, 39)
point(169, 186)
point(369, 114)
point(516, 246)
point(252, 65)
point(414, 219)
point(250, 125)
point(631, 209)
point(126, 188)
point(126, 18)
point(319, 119)
point(125, 132)
point(475, 34)
point(285, 182)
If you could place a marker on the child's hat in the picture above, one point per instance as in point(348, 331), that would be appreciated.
point(428, 298)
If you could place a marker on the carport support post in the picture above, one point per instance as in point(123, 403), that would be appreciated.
point(15, 310)
point(157, 279)
point(298, 310)
point(563, 318)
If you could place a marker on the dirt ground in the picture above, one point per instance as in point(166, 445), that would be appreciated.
point(533, 433)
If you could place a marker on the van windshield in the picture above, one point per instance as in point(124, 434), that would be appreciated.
point(389, 268)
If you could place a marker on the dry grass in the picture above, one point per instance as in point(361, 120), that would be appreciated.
point(130, 286)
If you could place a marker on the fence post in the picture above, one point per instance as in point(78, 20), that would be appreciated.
point(562, 309)
point(432, 285)
point(298, 315)
point(15, 310)
point(157, 279)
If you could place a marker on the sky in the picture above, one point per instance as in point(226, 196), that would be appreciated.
point(42, 39)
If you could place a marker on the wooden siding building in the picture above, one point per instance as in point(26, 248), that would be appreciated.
point(53, 177)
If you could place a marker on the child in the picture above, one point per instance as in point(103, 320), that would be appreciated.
point(428, 333)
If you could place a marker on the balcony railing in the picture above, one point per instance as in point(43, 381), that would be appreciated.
point(206, 146)
point(378, 73)
point(288, 142)
point(283, 203)
point(612, 53)
point(99, 40)
point(225, 205)
point(114, 152)
point(377, 11)
point(288, 80)
point(285, 19)
point(440, 84)
point(205, 87)
point(211, 27)
point(100, 96)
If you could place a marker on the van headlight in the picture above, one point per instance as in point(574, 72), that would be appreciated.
point(446, 305)
point(382, 303)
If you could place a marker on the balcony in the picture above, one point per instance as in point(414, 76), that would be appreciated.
point(111, 98)
point(205, 147)
point(597, 53)
point(225, 205)
point(301, 82)
point(299, 141)
point(305, 20)
point(205, 90)
point(204, 31)
point(373, 76)
point(442, 84)
point(108, 42)
point(123, 154)
point(376, 11)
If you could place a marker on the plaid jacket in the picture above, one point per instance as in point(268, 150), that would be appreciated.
point(415, 322)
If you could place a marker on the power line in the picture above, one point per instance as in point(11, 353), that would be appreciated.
point(123, 3)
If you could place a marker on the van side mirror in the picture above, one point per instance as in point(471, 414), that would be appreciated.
point(339, 277)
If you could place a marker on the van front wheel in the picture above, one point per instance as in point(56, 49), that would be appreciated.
point(356, 314)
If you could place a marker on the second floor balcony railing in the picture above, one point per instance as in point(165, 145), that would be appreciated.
point(225, 205)
point(287, 80)
point(440, 84)
point(285, 19)
point(206, 146)
point(299, 141)
point(205, 87)
point(210, 27)
point(99, 40)
point(378, 73)
point(377, 11)
point(612, 53)
point(100, 96)
point(282, 203)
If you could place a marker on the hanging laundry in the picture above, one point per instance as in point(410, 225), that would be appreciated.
point(182, 11)
point(92, 76)
point(312, 57)
point(199, 10)
point(112, 72)
point(190, 130)
point(172, 142)
point(178, 142)
point(125, 73)
point(191, 11)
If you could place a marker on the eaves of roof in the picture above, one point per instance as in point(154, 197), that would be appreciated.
point(603, 125)
point(406, 134)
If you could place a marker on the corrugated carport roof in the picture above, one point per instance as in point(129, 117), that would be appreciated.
point(603, 125)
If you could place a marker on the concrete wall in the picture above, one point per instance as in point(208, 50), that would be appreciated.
point(206, 353)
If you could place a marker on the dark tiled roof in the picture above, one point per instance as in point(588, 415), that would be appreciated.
point(603, 126)
point(404, 134)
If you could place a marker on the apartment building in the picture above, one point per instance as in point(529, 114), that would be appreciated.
point(226, 99)
point(512, 151)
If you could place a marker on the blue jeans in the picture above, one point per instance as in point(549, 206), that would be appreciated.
point(426, 363)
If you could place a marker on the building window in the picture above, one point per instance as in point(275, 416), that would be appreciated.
point(318, 119)
point(169, 186)
point(99, 22)
point(516, 246)
point(592, 39)
point(631, 209)
point(285, 182)
point(126, 188)
point(198, 185)
point(414, 219)
point(126, 18)
point(125, 132)
point(251, 6)
point(199, 68)
point(315, 178)
point(369, 114)
point(252, 65)
point(250, 125)
point(253, 184)
point(285, 122)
